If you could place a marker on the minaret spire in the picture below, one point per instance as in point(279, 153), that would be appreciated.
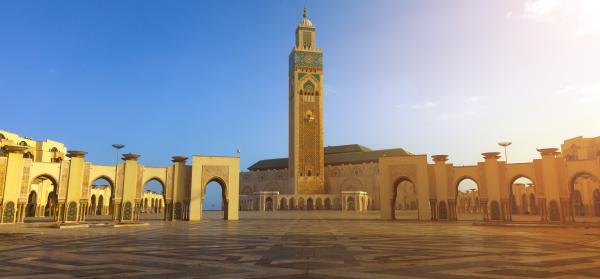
point(306, 163)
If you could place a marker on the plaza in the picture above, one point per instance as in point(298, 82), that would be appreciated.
point(301, 244)
point(337, 211)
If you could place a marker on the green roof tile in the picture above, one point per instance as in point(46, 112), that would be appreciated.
point(337, 155)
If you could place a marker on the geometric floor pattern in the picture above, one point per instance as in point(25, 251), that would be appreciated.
point(300, 245)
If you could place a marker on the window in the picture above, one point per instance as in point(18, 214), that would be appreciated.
point(307, 38)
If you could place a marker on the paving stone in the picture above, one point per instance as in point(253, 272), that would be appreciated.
point(300, 245)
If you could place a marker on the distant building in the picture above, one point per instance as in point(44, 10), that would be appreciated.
point(37, 150)
point(581, 148)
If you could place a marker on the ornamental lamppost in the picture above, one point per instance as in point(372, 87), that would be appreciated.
point(117, 147)
point(505, 144)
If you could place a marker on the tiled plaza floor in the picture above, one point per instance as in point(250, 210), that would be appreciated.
point(300, 245)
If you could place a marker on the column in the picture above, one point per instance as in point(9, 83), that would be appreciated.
point(441, 185)
point(550, 184)
point(492, 184)
point(13, 179)
point(74, 186)
point(433, 206)
point(180, 173)
point(129, 188)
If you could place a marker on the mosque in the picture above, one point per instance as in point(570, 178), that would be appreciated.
point(313, 177)
point(44, 179)
point(352, 177)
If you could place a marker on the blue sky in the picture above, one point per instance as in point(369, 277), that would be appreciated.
point(189, 77)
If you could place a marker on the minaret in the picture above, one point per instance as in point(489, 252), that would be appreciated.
point(306, 159)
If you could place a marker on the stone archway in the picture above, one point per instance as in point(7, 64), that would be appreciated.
point(105, 203)
point(42, 197)
point(393, 171)
point(224, 200)
point(155, 187)
point(269, 204)
point(327, 204)
point(575, 207)
point(520, 188)
point(310, 204)
point(467, 200)
point(100, 205)
point(319, 204)
point(223, 170)
point(32, 203)
point(402, 184)
point(283, 205)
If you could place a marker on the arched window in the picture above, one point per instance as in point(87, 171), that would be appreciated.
point(31, 204)
point(310, 204)
point(23, 143)
point(100, 206)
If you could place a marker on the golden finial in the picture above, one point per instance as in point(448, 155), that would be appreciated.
point(305, 12)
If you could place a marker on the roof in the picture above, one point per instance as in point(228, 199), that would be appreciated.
point(336, 155)
point(270, 164)
point(345, 148)
point(305, 22)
